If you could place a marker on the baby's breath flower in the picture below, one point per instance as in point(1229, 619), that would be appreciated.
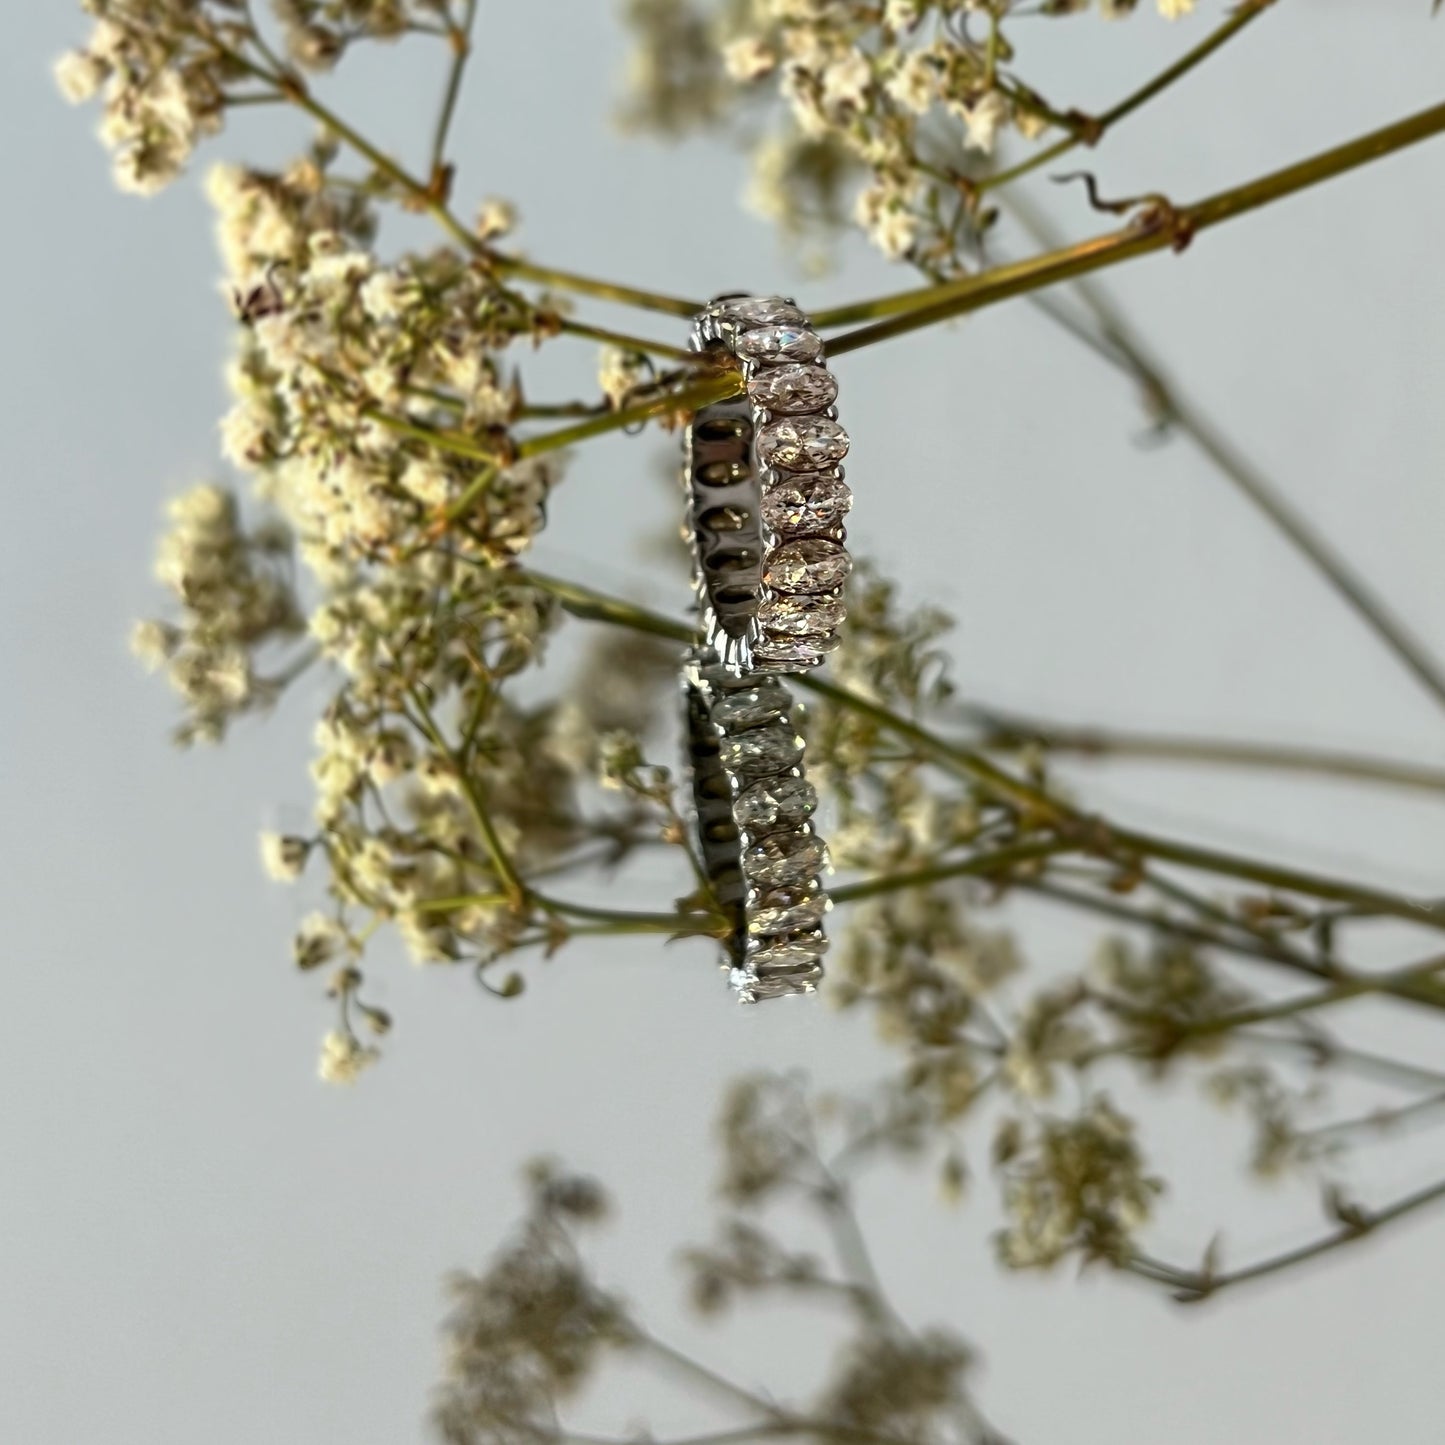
point(344, 1058)
point(153, 643)
point(1079, 1185)
point(845, 82)
point(748, 59)
point(982, 119)
point(79, 75)
point(283, 856)
point(620, 371)
point(495, 218)
point(319, 939)
point(1175, 9)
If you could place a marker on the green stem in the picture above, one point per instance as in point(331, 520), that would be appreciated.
point(1248, 11)
point(1120, 347)
point(685, 399)
point(1352, 987)
point(591, 286)
point(427, 198)
point(1192, 1286)
point(1155, 229)
point(517, 891)
point(1008, 732)
point(681, 399)
point(1356, 592)
point(459, 37)
point(624, 339)
point(1379, 1121)
point(626, 922)
point(1271, 875)
point(980, 865)
point(1088, 834)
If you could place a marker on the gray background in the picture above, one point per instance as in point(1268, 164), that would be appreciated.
point(197, 1241)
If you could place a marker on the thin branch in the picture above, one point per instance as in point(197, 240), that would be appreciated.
point(1368, 605)
point(1008, 731)
point(1158, 225)
point(591, 286)
point(1090, 834)
point(1324, 1051)
point(624, 339)
point(1353, 985)
point(979, 865)
point(673, 401)
point(426, 198)
point(1117, 344)
point(459, 37)
point(517, 891)
point(1093, 131)
point(696, 1371)
point(1378, 1121)
point(1192, 1286)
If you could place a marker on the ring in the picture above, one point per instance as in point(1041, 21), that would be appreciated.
point(754, 807)
point(766, 490)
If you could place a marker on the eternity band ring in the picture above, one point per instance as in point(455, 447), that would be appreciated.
point(754, 807)
point(766, 492)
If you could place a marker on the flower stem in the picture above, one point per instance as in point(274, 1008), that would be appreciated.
point(459, 37)
point(1192, 1286)
point(1156, 227)
point(1248, 10)
point(979, 865)
point(1088, 833)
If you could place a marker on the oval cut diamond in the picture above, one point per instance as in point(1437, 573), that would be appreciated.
point(753, 989)
point(812, 565)
point(794, 388)
point(762, 311)
point(772, 344)
point(775, 803)
point(807, 504)
point(785, 858)
point(783, 654)
point(750, 708)
point(801, 616)
point(790, 916)
point(794, 953)
point(771, 749)
point(802, 444)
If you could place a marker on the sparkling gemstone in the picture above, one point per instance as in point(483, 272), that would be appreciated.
point(785, 858)
point(750, 708)
point(794, 388)
point(785, 654)
point(812, 565)
point(752, 989)
point(775, 803)
point(772, 344)
point(807, 504)
point(801, 616)
point(771, 749)
point(762, 311)
point(790, 916)
point(790, 954)
point(802, 443)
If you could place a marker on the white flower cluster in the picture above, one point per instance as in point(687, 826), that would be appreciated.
point(318, 32)
point(1072, 1186)
point(911, 94)
point(233, 596)
point(162, 70)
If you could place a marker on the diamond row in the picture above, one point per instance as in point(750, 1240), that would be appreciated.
point(779, 944)
point(798, 446)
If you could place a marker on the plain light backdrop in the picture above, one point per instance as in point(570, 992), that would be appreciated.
point(198, 1241)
